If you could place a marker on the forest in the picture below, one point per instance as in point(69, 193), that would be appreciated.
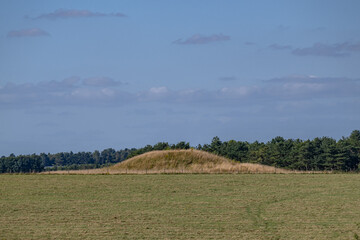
point(319, 154)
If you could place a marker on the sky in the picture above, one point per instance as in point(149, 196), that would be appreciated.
point(89, 75)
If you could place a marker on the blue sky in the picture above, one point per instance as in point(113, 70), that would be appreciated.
point(86, 75)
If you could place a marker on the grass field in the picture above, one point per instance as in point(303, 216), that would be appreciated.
point(180, 206)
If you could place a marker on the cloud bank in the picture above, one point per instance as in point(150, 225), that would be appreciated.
point(328, 50)
point(106, 91)
point(201, 39)
point(31, 32)
point(276, 46)
point(321, 49)
point(74, 13)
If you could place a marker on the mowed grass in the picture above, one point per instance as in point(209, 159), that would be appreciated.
point(180, 206)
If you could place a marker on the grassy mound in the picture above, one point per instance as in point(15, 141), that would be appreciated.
point(188, 161)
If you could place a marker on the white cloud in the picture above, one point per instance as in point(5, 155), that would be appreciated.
point(86, 93)
point(276, 46)
point(31, 32)
point(100, 81)
point(238, 91)
point(321, 49)
point(201, 39)
point(158, 90)
point(108, 92)
point(75, 13)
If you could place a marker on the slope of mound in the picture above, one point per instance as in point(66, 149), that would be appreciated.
point(188, 161)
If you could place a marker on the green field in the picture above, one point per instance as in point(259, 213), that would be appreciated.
point(203, 206)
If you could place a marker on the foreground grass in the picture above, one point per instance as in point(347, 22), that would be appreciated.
point(244, 206)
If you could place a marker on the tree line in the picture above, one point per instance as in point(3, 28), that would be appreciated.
point(318, 154)
point(61, 161)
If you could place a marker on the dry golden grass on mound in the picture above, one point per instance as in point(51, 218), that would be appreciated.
point(179, 161)
point(189, 161)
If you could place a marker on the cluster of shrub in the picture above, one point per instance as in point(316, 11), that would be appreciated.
point(160, 146)
point(318, 154)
